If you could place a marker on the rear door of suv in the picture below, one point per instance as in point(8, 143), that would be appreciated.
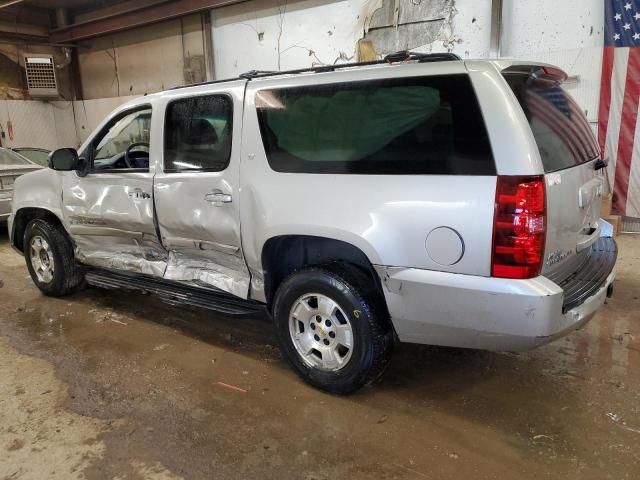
point(573, 170)
point(196, 187)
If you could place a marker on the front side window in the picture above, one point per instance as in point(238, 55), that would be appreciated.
point(197, 134)
point(125, 143)
point(419, 125)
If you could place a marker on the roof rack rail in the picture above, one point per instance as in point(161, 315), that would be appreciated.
point(397, 57)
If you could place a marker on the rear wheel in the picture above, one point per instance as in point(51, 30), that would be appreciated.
point(50, 259)
point(333, 328)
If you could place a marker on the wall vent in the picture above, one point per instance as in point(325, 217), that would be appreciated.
point(41, 76)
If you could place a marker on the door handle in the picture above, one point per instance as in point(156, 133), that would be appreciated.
point(139, 193)
point(218, 197)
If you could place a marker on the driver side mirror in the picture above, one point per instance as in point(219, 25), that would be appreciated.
point(64, 159)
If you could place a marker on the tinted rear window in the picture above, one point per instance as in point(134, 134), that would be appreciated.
point(423, 125)
point(561, 130)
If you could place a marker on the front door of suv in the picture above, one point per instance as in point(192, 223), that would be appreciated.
point(109, 211)
point(196, 190)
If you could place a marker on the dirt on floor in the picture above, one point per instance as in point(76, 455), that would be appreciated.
point(112, 384)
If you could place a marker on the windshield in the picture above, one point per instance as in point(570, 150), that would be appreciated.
point(41, 157)
point(559, 126)
point(7, 157)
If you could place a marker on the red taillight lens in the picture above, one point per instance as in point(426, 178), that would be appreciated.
point(519, 227)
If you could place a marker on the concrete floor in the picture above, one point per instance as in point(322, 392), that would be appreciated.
point(108, 384)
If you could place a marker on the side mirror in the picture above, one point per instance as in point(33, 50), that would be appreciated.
point(64, 159)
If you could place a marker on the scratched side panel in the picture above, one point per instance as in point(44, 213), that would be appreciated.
point(110, 217)
point(203, 237)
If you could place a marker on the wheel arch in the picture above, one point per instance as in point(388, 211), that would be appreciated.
point(284, 254)
point(25, 215)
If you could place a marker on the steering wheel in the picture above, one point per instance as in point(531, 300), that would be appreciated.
point(127, 152)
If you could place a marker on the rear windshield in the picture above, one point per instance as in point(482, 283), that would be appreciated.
point(560, 128)
point(421, 125)
point(7, 157)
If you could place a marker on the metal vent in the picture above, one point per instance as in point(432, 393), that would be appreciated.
point(41, 76)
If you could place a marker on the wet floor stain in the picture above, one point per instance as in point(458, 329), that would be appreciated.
point(184, 393)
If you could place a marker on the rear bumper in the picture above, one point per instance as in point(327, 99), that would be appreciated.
point(440, 308)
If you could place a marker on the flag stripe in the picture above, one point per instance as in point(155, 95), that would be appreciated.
point(633, 194)
point(627, 131)
point(605, 98)
point(616, 92)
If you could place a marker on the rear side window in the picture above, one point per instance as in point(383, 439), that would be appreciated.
point(561, 130)
point(420, 125)
point(197, 134)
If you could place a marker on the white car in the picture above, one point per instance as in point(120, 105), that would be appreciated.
point(422, 198)
point(12, 165)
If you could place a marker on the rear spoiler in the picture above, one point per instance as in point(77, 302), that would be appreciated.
point(538, 73)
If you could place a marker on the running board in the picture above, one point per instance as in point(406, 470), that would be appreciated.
point(175, 293)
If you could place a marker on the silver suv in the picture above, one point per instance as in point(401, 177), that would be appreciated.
point(421, 199)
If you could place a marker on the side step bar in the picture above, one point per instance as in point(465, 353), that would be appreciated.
point(176, 293)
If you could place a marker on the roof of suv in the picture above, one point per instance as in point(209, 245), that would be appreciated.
point(398, 57)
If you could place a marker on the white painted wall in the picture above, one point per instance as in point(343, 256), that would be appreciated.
point(276, 35)
point(269, 35)
point(90, 113)
point(566, 33)
point(55, 124)
point(280, 36)
point(145, 60)
point(37, 124)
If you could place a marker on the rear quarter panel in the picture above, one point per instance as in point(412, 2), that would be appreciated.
point(388, 217)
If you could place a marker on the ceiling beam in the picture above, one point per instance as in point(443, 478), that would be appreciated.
point(136, 17)
point(23, 14)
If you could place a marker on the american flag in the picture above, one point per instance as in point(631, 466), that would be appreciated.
point(618, 126)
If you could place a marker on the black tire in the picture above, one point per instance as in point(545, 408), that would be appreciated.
point(67, 276)
point(358, 298)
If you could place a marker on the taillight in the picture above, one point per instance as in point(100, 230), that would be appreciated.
point(519, 227)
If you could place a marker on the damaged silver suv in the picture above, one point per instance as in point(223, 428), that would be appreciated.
point(421, 199)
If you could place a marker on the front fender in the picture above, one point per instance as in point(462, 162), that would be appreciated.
point(36, 194)
point(39, 189)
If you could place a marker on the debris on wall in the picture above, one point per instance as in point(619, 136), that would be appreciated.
point(366, 51)
point(12, 76)
point(411, 25)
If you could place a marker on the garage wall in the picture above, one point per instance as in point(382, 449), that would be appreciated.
point(90, 113)
point(28, 123)
point(272, 35)
point(144, 60)
point(567, 33)
point(54, 124)
point(284, 36)
point(276, 35)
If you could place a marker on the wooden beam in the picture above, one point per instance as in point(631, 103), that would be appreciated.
point(136, 17)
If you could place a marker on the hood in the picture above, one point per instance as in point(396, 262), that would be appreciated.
point(18, 169)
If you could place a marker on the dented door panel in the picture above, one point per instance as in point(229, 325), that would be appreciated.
point(110, 216)
point(197, 207)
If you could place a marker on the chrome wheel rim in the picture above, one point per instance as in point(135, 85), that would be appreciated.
point(42, 259)
point(321, 332)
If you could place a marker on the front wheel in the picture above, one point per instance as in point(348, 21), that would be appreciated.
point(50, 259)
point(333, 328)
